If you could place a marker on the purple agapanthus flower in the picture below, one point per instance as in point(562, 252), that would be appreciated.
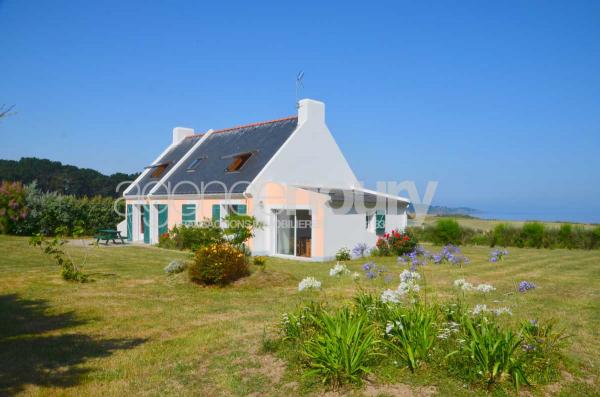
point(367, 266)
point(360, 250)
point(525, 286)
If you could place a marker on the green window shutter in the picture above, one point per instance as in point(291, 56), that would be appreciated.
point(163, 219)
point(146, 224)
point(129, 222)
point(241, 209)
point(216, 213)
point(188, 214)
point(379, 222)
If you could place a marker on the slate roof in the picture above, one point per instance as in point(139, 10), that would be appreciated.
point(216, 152)
point(144, 185)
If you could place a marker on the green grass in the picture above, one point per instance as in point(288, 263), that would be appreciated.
point(136, 331)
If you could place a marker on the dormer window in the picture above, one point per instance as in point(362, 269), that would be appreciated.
point(157, 170)
point(238, 161)
point(194, 164)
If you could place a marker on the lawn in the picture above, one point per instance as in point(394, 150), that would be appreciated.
point(136, 331)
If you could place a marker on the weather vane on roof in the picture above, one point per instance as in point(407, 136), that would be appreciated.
point(299, 84)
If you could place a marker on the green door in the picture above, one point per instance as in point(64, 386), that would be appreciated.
point(146, 223)
point(129, 222)
point(163, 219)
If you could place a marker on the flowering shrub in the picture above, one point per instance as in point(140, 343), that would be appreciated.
point(339, 270)
point(175, 267)
point(525, 286)
point(219, 263)
point(396, 243)
point(360, 250)
point(343, 254)
point(498, 255)
point(309, 283)
point(12, 206)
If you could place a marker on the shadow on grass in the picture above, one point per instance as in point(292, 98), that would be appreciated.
point(29, 357)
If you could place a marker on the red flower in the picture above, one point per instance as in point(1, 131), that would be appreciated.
point(406, 238)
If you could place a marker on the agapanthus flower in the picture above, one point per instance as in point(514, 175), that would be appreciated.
point(408, 275)
point(355, 276)
point(309, 283)
point(360, 250)
point(463, 284)
point(502, 310)
point(525, 286)
point(478, 309)
point(339, 270)
point(390, 296)
point(485, 288)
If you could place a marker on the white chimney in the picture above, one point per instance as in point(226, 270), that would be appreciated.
point(311, 110)
point(179, 133)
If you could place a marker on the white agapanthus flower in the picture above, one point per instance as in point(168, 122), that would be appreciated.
point(463, 284)
point(485, 288)
point(309, 283)
point(478, 309)
point(355, 276)
point(407, 276)
point(388, 328)
point(502, 310)
point(390, 296)
point(339, 270)
point(407, 287)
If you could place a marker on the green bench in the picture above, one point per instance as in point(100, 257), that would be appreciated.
point(109, 234)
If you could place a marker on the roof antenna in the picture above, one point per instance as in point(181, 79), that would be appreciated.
point(299, 84)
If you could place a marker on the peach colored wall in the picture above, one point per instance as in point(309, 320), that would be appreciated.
point(274, 195)
point(203, 208)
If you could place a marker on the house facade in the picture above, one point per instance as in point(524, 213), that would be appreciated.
point(288, 173)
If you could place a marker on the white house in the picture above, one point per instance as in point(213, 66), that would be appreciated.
point(289, 173)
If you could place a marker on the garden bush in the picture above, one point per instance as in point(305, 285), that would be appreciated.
point(343, 254)
point(532, 234)
point(446, 231)
point(46, 212)
point(12, 206)
point(175, 267)
point(259, 261)
point(218, 263)
point(396, 243)
point(192, 237)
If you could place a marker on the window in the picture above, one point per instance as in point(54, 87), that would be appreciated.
point(194, 164)
point(188, 214)
point(238, 162)
point(369, 222)
point(157, 170)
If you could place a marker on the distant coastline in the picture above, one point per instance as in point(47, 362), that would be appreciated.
point(583, 216)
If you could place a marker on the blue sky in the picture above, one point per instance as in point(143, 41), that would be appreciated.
point(499, 102)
